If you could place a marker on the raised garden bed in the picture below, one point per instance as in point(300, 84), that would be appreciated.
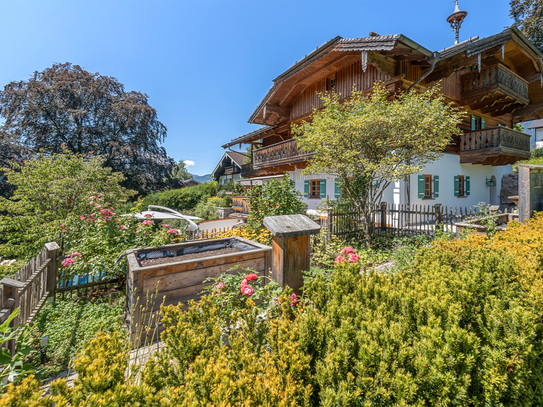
point(479, 228)
point(175, 273)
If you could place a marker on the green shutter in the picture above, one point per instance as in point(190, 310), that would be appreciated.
point(306, 189)
point(482, 123)
point(322, 188)
point(421, 186)
point(467, 185)
point(472, 122)
point(456, 187)
point(337, 188)
point(436, 186)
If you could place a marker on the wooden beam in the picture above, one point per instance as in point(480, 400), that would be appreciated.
point(278, 110)
point(534, 109)
point(382, 63)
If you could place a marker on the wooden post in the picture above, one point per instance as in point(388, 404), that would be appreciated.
point(437, 209)
point(10, 301)
point(52, 270)
point(291, 248)
point(383, 217)
point(329, 225)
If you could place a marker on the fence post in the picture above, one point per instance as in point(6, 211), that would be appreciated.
point(10, 301)
point(52, 269)
point(329, 225)
point(437, 209)
point(383, 217)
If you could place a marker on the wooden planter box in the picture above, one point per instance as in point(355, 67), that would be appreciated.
point(181, 281)
point(480, 229)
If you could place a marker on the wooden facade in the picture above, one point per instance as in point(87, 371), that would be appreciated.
point(497, 80)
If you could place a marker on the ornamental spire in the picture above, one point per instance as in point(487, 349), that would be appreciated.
point(455, 20)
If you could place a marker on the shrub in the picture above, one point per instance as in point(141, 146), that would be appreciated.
point(461, 326)
point(50, 191)
point(274, 198)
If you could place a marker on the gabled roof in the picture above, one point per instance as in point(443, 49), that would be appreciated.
point(236, 157)
point(479, 45)
point(377, 43)
point(254, 135)
point(537, 124)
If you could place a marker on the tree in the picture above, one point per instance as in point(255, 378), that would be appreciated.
point(179, 173)
point(67, 107)
point(51, 190)
point(367, 141)
point(528, 16)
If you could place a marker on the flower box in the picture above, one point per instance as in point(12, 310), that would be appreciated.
point(175, 273)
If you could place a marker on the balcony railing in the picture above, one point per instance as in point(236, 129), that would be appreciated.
point(495, 137)
point(284, 152)
point(493, 78)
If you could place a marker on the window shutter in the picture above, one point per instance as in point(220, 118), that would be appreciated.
point(436, 186)
point(467, 185)
point(472, 122)
point(456, 187)
point(482, 123)
point(306, 188)
point(322, 188)
point(421, 186)
point(337, 189)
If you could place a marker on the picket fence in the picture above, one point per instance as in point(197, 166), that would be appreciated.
point(399, 220)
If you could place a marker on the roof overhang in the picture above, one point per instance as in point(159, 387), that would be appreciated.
point(331, 55)
point(252, 136)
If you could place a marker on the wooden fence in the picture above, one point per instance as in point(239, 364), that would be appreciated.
point(399, 220)
point(29, 288)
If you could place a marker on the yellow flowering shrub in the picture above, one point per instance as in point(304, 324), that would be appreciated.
point(262, 236)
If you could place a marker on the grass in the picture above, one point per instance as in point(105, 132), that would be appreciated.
point(70, 324)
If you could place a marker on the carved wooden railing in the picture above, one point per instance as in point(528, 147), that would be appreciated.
point(493, 75)
point(283, 152)
point(494, 137)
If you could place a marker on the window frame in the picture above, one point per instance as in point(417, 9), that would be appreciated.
point(314, 184)
point(428, 180)
point(461, 185)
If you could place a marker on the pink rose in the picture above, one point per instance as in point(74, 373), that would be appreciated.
point(82, 217)
point(63, 230)
point(250, 277)
point(123, 227)
point(293, 299)
point(166, 226)
point(246, 289)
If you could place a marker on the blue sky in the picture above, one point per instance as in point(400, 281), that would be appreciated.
point(207, 64)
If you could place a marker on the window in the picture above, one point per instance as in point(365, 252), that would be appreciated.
point(428, 186)
point(315, 188)
point(461, 185)
point(477, 123)
point(331, 83)
point(461, 189)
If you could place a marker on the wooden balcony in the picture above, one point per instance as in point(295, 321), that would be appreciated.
point(495, 89)
point(494, 146)
point(246, 170)
point(285, 152)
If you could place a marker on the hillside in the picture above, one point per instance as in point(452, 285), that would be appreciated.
point(202, 178)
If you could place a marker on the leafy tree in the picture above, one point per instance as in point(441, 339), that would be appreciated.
point(368, 141)
point(528, 16)
point(67, 107)
point(179, 173)
point(274, 198)
point(50, 191)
